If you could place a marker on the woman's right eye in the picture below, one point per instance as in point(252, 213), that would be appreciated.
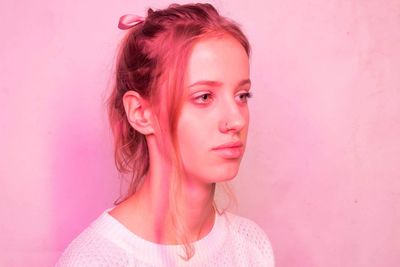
point(203, 98)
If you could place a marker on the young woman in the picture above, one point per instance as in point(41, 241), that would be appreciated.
point(180, 117)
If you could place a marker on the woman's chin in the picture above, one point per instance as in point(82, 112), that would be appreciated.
point(225, 174)
point(215, 173)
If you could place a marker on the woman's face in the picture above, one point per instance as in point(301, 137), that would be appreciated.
point(214, 111)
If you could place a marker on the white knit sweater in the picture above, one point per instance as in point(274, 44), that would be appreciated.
point(233, 241)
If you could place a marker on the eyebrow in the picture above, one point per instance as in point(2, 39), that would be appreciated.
point(218, 84)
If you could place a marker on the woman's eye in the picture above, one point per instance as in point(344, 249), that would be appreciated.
point(206, 98)
point(243, 97)
point(203, 99)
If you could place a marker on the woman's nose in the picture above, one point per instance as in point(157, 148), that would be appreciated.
point(234, 118)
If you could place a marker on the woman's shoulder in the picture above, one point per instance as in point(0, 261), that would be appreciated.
point(93, 248)
point(244, 226)
point(251, 236)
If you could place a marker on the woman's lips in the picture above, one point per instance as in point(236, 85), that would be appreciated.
point(230, 144)
point(232, 150)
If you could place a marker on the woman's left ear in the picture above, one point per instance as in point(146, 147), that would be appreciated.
point(138, 112)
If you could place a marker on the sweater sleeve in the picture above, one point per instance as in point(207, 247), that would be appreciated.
point(257, 243)
point(91, 249)
point(264, 245)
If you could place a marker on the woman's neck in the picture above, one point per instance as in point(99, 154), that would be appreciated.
point(147, 213)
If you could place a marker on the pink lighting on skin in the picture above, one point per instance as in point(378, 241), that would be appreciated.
point(215, 111)
point(321, 168)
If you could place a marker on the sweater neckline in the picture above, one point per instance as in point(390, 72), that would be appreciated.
point(147, 251)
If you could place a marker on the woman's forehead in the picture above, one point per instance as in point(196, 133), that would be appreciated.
point(217, 60)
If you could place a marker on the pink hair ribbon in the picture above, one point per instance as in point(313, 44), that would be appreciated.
point(128, 21)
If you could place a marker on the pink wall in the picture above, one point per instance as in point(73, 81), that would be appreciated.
point(321, 174)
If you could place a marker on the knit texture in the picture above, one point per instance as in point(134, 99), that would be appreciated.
point(233, 241)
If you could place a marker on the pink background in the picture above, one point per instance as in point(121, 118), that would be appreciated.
point(322, 171)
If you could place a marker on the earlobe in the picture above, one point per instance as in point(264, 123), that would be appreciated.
point(137, 110)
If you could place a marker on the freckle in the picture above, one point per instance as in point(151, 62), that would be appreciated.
point(355, 201)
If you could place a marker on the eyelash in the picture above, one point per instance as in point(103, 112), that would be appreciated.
point(247, 95)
